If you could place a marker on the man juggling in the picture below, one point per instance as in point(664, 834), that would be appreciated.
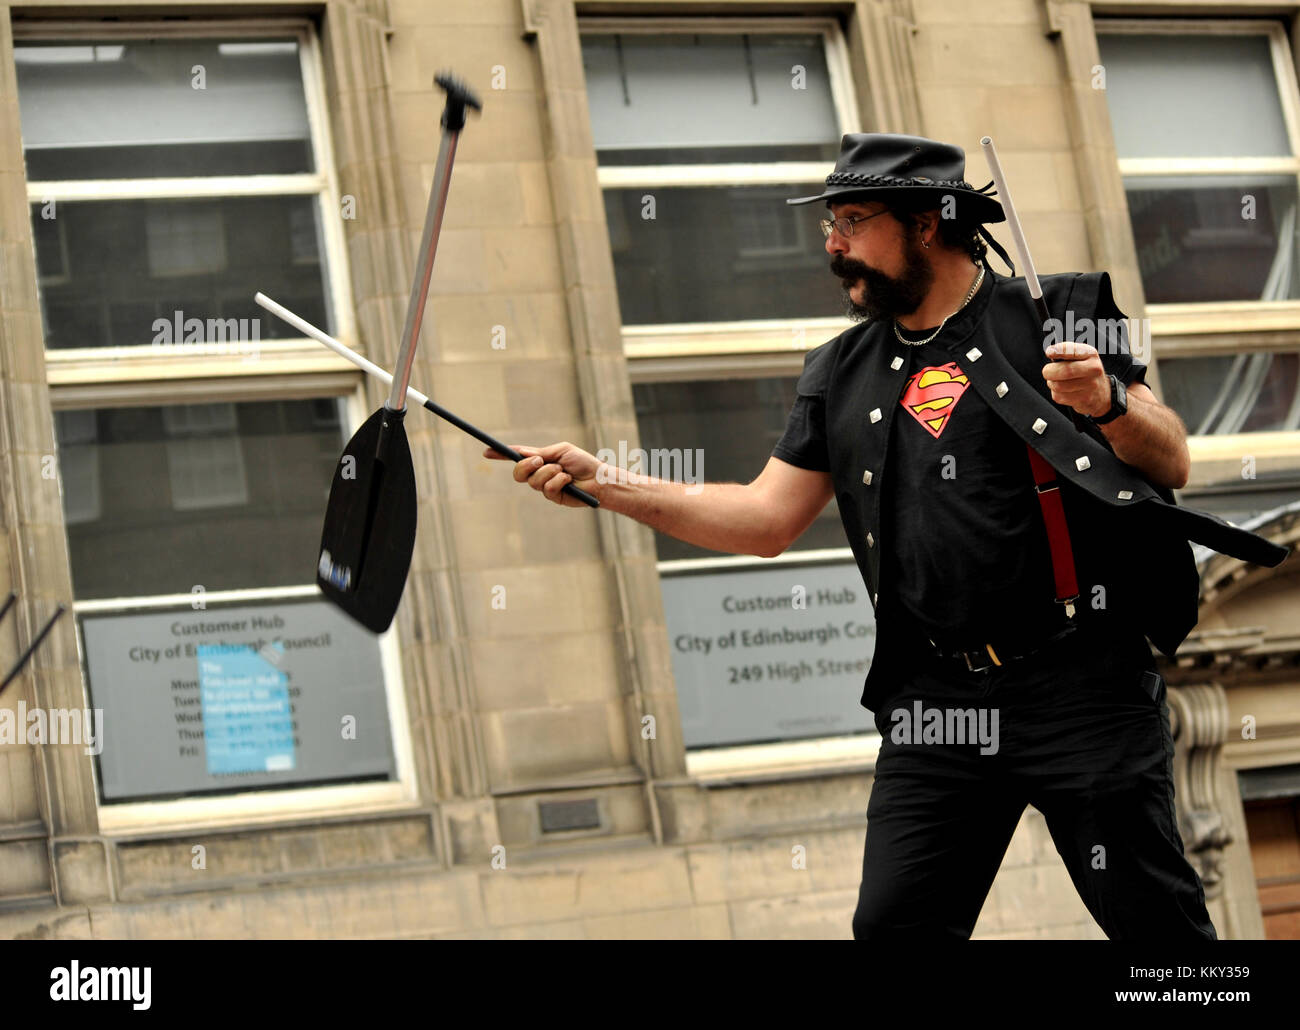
point(1006, 495)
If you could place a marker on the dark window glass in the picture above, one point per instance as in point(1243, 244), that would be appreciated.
point(730, 427)
point(1207, 239)
point(125, 273)
point(1239, 393)
point(716, 255)
point(1239, 500)
point(160, 500)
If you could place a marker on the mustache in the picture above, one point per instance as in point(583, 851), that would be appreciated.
point(849, 268)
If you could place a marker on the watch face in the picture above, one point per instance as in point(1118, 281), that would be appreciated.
point(1118, 402)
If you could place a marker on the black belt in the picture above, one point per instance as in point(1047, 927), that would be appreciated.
point(988, 656)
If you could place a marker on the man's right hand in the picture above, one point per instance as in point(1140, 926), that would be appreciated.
point(761, 518)
point(549, 469)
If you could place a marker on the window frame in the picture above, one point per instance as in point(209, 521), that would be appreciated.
point(265, 805)
point(1218, 318)
point(86, 366)
point(746, 349)
point(736, 337)
point(286, 369)
point(1225, 328)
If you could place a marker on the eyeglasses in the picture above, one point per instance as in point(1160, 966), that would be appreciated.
point(845, 225)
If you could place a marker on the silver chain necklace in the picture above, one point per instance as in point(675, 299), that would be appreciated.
point(969, 294)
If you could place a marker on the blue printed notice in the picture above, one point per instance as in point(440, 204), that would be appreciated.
point(247, 716)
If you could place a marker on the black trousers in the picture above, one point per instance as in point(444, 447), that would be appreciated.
point(1080, 731)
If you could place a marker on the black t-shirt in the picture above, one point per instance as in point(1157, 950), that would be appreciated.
point(964, 548)
point(969, 551)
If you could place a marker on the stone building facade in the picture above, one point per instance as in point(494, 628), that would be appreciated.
point(543, 769)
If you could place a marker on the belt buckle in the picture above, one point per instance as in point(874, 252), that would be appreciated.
point(984, 667)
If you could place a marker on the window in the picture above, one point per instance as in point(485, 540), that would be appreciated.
point(702, 130)
point(1206, 129)
point(168, 176)
point(699, 140)
point(234, 519)
point(1210, 163)
point(172, 173)
point(701, 134)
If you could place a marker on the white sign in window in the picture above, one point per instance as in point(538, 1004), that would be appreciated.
point(769, 654)
point(233, 698)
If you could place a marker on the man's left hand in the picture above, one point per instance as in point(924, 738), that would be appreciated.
point(1078, 379)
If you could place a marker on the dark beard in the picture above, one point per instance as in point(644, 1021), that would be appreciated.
point(884, 296)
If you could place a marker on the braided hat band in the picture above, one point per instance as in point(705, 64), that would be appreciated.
point(889, 166)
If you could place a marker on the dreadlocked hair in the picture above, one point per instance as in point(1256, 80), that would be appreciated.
point(953, 232)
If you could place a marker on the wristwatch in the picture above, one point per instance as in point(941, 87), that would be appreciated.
point(1118, 403)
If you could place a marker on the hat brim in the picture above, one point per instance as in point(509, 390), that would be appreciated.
point(971, 205)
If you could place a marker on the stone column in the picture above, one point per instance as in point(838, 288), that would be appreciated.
point(884, 77)
point(1105, 204)
point(47, 797)
point(644, 662)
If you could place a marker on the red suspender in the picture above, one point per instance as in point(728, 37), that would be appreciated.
point(1058, 533)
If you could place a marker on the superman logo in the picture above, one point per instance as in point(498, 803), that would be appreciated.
point(932, 395)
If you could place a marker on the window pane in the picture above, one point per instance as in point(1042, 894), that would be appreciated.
point(718, 254)
point(1241, 393)
point(223, 496)
point(822, 152)
point(729, 427)
point(156, 108)
point(1193, 96)
point(747, 93)
point(1215, 238)
point(130, 272)
point(1240, 501)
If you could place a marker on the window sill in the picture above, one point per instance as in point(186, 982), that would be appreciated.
point(1216, 459)
point(255, 808)
point(787, 760)
point(189, 361)
point(1224, 327)
point(780, 336)
point(275, 370)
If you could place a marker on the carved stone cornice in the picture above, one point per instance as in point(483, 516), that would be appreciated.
point(1244, 653)
point(1224, 577)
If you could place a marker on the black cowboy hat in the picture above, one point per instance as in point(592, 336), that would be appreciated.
point(887, 166)
point(881, 165)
